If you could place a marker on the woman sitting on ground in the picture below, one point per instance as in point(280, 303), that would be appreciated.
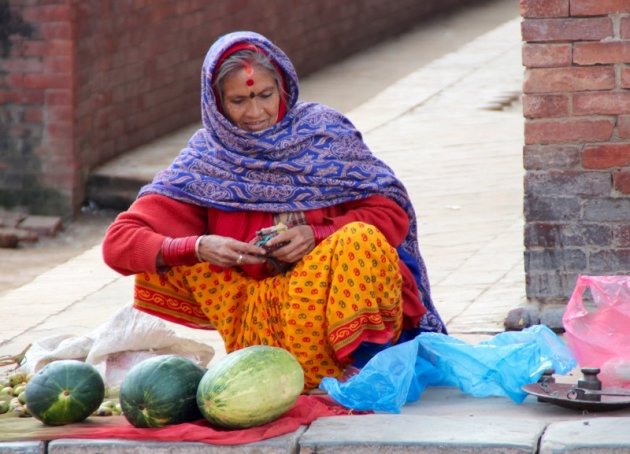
point(276, 225)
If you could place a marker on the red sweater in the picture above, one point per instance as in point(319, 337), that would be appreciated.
point(132, 242)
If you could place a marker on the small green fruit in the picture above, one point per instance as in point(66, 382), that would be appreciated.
point(19, 389)
point(17, 378)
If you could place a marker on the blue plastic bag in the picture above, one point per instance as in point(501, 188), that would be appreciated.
point(499, 366)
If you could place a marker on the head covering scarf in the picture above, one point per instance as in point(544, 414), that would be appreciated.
point(313, 157)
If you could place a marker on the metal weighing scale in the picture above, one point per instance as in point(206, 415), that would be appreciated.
point(586, 395)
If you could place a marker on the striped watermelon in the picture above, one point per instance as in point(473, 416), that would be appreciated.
point(160, 391)
point(64, 391)
point(250, 387)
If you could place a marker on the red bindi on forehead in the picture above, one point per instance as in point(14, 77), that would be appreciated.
point(249, 71)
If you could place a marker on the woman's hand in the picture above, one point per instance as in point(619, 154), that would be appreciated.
point(225, 251)
point(299, 242)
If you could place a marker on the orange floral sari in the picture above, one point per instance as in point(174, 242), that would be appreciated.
point(345, 291)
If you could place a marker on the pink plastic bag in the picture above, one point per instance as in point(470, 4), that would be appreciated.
point(597, 326)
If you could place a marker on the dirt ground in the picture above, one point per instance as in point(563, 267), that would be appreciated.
point(20, 266)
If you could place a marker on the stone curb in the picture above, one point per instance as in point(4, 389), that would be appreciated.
point(386, 433)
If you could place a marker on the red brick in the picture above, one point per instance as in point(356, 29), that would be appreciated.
point(58, 97)
point(606, 156)
point(591, 29)
point(622, 236)
point(10, 218)
point(546, 80)
point(58, 130)
point(599, 7)
point(17, 130)
point(15, 80)
point(547, 55)
point(26, 236)
point(8, 238)
point(58, 65)
point(544, 8)
point(56, 147)
point(567, 131)
point(625, 28)
point(7, 97)
point(23, 96)
point(545, 106)
point(59, 162)
point(61, 177)
point(604, 103)
point(59, 114)
point(623, 126)
point(187, 7)
point(161, 14)
point(545, 157)
point(56, 30)
point(31, 131)
point(33, 114)
point(48, 13)
point(568, 183)
point(542, 234)
point(625, 77)
point(34, 48)
point(621, 181)
point(601, 53)
point(46, 81)
point(194, 20)
point(42, 225)
point(59, 47)
point(610, 261)
point(22, 65)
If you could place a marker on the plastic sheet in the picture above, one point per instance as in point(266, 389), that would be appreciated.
point(499, 366)
point(597, 326)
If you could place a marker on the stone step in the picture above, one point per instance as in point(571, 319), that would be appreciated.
point(113, 192)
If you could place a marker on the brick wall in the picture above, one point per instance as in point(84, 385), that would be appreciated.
point(82, 81)
point(577, 142)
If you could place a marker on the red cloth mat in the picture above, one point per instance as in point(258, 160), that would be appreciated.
point(306, 410)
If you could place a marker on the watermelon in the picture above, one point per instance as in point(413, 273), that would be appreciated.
point(64, 391)
point(160, 391)
point(250, 387)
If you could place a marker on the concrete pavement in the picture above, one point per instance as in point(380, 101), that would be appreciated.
point(452, 130)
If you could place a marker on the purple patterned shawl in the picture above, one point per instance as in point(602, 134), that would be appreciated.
point(313, 158)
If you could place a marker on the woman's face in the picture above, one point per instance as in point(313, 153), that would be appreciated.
point(251, 99)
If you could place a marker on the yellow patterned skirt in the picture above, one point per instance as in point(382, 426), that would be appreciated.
point(345, 291)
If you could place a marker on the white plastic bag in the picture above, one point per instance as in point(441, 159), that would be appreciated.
point(53, 348)
point(124, 340)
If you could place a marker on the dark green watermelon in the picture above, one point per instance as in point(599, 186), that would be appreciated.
point(64, 391)
point(160, 391)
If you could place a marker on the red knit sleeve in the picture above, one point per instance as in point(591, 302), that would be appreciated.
point(133, 240)
point(381, 212)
